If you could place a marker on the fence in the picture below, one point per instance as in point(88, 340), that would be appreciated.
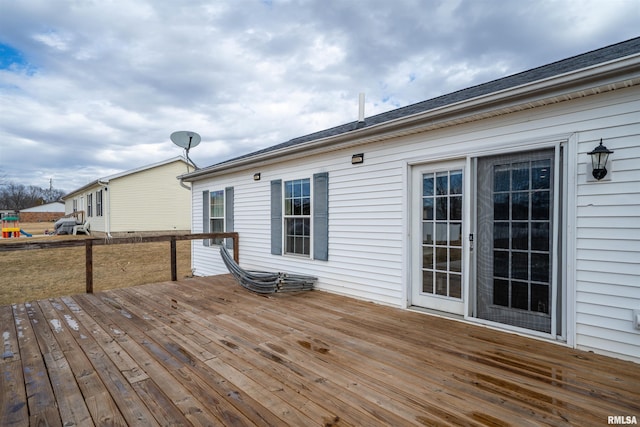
point(89, 243)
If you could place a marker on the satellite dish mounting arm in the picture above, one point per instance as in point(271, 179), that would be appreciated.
point(186, 140)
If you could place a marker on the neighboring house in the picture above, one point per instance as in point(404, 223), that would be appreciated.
point(148, 199)
point(479, 205)
point(43, 213)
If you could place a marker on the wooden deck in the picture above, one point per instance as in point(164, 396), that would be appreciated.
point(206, 352)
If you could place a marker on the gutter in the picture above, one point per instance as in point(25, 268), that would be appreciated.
point(601, 77)
point(182, 184)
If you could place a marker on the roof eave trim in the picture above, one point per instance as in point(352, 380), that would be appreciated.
point(581, 79)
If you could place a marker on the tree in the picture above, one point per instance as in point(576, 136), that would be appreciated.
point(18, 196)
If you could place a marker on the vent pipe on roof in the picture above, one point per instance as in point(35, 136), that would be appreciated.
point(361, 107)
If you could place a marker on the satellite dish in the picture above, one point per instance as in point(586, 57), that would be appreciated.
point(186, 140)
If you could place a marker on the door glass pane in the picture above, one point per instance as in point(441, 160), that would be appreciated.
point(501, 292)
point(427, 208)
point(501, 235)
point(502, 178)
point(441, 284)
point(427, 257)
point(455, 208)
point(455, 259)
point(441, 259)
point(427, 185)
point(540, 298)
point(541, 174)
point(427, 281)
point(515, 202)
point(520, 235)
point(442, 183)
point(455, 285)
point(442, 233)
point(540, 205)
point(540, 236)
point(520, 265)
point(427, 233)
point(501, 263)
point(520, 176)
point(456, 182)
point(520, 295)
point(455, 234)
point(501, 206)
point(520, 205)
point(540, 267)
point(441, 208)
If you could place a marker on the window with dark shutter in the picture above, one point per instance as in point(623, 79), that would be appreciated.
point(276, 217)
point(321, 216)
point(228, 214)
point(205, 215)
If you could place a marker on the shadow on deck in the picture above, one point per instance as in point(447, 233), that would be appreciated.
point(205, 351)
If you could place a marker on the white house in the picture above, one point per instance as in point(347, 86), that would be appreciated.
point(480, 205)
point(142, 200)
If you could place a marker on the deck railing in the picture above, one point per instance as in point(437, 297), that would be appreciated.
point(89, 243)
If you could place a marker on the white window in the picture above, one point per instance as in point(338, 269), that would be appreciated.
point(216, 218)
point(89, 205)
point(99, 203)
point(297, 217)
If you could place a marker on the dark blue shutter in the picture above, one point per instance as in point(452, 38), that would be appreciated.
point(228, 213)
point(276, 217)
point(321, 216)
point(206, 206)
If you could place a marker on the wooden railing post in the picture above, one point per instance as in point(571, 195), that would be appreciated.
point(174, 259)
point(236, 248)
point(88, 246)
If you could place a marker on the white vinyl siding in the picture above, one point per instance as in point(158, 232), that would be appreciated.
point(369, 216)
point(608, 244)
point(365, 250)
point(150, 200)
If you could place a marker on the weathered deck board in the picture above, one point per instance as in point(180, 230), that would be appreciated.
point(206, 352)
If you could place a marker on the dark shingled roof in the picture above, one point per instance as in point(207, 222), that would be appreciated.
point(574, 63)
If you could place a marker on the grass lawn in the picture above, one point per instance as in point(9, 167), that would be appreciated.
point(43, 273)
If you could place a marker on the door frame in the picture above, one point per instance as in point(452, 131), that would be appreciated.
point(567, 191)
point(562, 300)
point(441, 164)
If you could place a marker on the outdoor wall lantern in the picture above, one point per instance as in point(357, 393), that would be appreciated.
point(599, 157)
point(256, 176)
point(356, 159)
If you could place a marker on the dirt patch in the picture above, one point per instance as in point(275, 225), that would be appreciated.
point(43, 273)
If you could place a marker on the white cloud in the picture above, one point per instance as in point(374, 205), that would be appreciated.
point(54, 40)
point(107, 82)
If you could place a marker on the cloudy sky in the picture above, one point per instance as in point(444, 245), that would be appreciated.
point(93, 87)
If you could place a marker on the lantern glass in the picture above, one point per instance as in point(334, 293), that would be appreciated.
point(599, 157)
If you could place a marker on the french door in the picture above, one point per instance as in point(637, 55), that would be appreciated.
point(515, 253)
point(438, 200)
